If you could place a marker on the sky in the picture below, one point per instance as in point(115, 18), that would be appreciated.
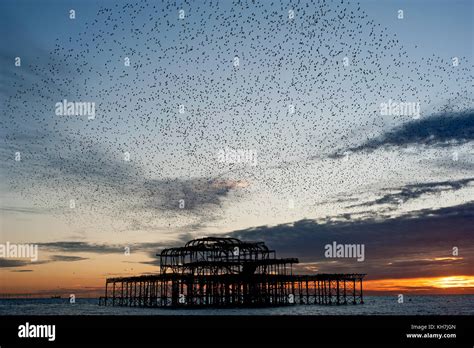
point(305, 101)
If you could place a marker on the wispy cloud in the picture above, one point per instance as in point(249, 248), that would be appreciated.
point(13, 263)
point(23, 210)
point(413, 191)
point(196, 193)
point(81, 247)
point(82, 169)
point(7, 263)
point(444, 129)
point(95, 248)
point(67, 258)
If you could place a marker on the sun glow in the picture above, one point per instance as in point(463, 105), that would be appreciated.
point(453, 284)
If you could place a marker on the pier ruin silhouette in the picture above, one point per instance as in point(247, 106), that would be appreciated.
point(227, 272)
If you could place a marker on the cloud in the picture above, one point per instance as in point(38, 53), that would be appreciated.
point(85, 247)
point(7, 263)
point(444, 129)
point(415, 245)
point(54, 169)
point(67, 258)
point(11, 263)
point(81, 247)
point(196, 193)
point(23, 210)
point(153, 262)
point(414, 191)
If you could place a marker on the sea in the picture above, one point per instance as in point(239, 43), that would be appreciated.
point(373, 305)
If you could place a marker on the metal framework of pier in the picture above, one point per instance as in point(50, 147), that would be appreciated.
point(227, 272)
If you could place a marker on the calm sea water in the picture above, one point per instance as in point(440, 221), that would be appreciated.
point(382, 305)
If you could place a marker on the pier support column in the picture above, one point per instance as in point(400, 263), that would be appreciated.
point(105, 303)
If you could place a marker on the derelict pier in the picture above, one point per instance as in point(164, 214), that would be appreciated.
point(227, 272)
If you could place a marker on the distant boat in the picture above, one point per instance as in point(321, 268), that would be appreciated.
point(56, 296)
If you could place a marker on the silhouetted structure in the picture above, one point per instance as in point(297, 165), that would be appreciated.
point(223, 272)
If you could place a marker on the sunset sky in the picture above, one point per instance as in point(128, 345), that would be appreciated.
point(334, 170)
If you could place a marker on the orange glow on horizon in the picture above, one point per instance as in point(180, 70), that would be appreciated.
point(459, 284)
point(453, 282)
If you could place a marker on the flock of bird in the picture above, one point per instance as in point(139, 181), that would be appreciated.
point(216, 75)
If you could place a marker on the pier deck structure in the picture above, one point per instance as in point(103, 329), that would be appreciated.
point(227, 272)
